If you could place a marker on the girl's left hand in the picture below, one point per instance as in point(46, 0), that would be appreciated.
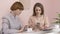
point(46, 27)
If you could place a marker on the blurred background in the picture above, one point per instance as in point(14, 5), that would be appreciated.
point(51, 9)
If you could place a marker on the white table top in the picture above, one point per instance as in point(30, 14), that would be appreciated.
point(40, 32)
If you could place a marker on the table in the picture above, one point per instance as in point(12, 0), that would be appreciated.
point(40, 32)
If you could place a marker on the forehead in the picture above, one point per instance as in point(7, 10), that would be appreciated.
point(37, 8)
point(18, 10)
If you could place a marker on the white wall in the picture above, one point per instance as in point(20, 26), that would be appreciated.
point(27, 12)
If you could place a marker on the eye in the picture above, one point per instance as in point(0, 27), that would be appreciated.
point(36, 10)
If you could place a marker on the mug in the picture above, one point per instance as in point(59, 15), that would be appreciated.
point(29, 29)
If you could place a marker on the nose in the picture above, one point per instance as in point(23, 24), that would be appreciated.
point(38, 11)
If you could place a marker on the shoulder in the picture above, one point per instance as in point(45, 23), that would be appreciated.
point(5, 19)
point(5, 16)
point(32, 17)
point(46, 18)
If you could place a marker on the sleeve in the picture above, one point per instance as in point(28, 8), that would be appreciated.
point(31, 22)
point(47, 23)
point(5, 27)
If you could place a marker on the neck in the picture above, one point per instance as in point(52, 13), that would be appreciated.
point(13, 14)
point(38, 15)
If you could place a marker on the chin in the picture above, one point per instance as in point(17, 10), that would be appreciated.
point(17, 14)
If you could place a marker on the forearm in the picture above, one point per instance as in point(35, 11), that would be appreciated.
point(11, 31)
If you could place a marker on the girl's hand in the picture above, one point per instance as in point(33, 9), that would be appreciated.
point(46, 27)
point(42, 27)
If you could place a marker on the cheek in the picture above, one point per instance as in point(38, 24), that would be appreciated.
point(18, 13)
point(36, 11)
point(40, 11)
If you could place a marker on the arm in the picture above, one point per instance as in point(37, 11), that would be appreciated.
point(46, 22)
point(31, 22)
point(6, 26)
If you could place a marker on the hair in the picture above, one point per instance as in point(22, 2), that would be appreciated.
point(17, 5)
point(38, 5)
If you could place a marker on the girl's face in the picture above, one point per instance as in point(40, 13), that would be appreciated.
point(17, 12)
point(38, 10)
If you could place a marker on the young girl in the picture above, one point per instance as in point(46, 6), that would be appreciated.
point(38, 21)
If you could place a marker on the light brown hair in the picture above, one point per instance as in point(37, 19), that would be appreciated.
point(17, 5)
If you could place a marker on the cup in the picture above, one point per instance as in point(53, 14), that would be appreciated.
point(29, 29)
point(56, 26)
